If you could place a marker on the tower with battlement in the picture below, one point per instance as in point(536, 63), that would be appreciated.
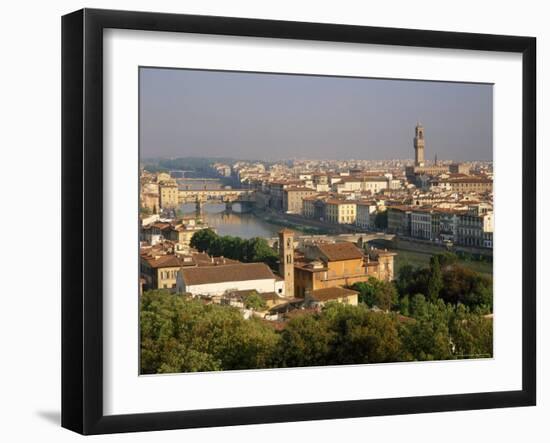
point(419, 145)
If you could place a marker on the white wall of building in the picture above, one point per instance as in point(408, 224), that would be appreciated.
point(265, 285)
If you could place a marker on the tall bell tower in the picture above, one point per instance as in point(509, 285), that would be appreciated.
point(286, 260)
point(419, 145)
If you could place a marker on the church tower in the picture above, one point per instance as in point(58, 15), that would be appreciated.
point(286, 260)
point(419, 145)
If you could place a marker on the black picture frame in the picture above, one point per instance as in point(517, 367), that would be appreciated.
point(82, 188)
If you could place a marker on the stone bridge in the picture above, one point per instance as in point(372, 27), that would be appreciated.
point(219, 195)
point(228, 196)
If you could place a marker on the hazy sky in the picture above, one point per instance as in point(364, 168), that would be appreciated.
point(273, 116)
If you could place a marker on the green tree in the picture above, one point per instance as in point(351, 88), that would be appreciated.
point(258, 250)
point(405, 305)
point(405, 277)
point(254, 301)
point(203, 239)
point(360, 335)
point(183, 335)
point(427, 337)
point(305, 341)
point(253, 250)
point(435, 281)
point(377, 293)
point(447, 259)
point(471, 334)
point(231, 247)
point(463, 285)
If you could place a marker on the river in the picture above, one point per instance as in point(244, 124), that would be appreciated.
point(238, 224)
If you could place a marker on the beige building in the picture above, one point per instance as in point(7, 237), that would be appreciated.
point(466, 184)
point(340, 211)
point(320, 297)
point(182, 234)
point(168, 195)
point(160, 272)
point(373, 184)
point(293, 198)
point(330, 265)
point(149, 196)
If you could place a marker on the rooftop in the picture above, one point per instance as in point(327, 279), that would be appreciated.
point(340, 251)
point(327, 294)
point(227, 273)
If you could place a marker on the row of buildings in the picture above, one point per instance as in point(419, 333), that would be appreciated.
point(472, 226)
point(309, 274)
point(435, 201)
point(439, 201)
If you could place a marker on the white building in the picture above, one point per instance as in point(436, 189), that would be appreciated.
point(475, 227)
point(365, 214)
point(217, 280)
point(375, 184)
point(372, 184)
point(425, 224)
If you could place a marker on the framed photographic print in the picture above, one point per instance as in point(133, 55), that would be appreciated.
point(269, 221)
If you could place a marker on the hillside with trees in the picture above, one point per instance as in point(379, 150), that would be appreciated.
point(180, 334)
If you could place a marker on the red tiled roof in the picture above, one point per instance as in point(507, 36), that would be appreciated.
point(164, 261)
point(227, 273)
point(340, 251)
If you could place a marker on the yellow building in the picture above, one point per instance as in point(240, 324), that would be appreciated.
point(340, 211)
point(168, 195)
point(160, 272)
point(342, 264)
point(182, 234)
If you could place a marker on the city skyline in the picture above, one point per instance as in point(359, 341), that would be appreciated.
point(197, 113)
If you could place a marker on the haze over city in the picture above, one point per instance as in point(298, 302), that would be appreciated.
point(186, 113)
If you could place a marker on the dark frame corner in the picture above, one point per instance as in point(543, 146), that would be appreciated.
point(82, 151)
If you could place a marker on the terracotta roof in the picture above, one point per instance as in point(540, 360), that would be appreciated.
point(340, 202)
point(165, 261)
point(331, 293)
point(227, 273)
point(340, 251)
point(203, 259)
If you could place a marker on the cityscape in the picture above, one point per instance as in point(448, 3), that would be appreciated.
point(253, 264)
